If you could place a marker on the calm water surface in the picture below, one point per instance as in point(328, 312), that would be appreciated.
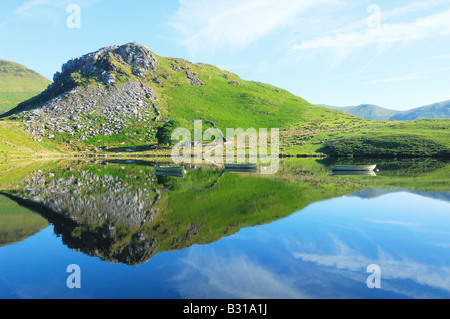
point(300, 234)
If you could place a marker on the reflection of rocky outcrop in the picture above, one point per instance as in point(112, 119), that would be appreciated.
point(93, 199)
point(99, 215)
point(110, 242)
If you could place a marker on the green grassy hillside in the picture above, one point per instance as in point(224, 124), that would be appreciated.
point(136, 98)
point(14, 141)
point(17, 223)
point(421, 138)
point(18, 84)
point(17, 78)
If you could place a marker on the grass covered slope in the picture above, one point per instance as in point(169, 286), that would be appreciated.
point(423, 138)
point(17, 78)
point(224, 98)
point(10, 100)
point(17, 223)
point(18, 84)
point(119, 96)
point(14, 141)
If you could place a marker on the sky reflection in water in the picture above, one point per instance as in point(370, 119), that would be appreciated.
point(321, 251)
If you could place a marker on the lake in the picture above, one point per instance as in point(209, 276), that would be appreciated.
point(115, 228)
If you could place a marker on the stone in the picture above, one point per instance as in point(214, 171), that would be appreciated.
point(108, 78)
point(139, 72)
point(192, 77)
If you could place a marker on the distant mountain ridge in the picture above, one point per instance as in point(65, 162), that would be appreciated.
point(439, 110)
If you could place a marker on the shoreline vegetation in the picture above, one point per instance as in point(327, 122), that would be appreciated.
point(418, 139)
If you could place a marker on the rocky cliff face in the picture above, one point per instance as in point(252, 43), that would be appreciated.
point(100, 93)
point(106, 63)
point(92, 110)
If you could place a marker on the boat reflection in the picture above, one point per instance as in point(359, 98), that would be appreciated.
point(354, 167)
point(353, 173)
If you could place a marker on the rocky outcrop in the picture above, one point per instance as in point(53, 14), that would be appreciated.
point(100, 93)
point(108, 61)
point(78, 111)
point(193, 79)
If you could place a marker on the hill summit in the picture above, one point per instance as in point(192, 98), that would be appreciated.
point(17, 78)
point(96, 94)
point(17, 84)
point(118, 94)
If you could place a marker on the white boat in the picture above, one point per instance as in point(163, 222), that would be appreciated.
point(241, 166)
point(369, 168)
point(354, 173)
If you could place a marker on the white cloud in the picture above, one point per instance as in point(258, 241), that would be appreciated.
point(418, 6)
point(396, 223)
point(235, 24)
point(32, 8)
point(385, 36)
point(345, 258)
point(440, 57)
point(386, 15)
point(414, 76)
point(233, 277)
point(398, 79)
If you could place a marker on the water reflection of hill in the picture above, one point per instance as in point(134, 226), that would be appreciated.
point(17, 223)
point(121, 211)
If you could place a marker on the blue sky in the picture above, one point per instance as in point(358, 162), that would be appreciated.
point(395, 54)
